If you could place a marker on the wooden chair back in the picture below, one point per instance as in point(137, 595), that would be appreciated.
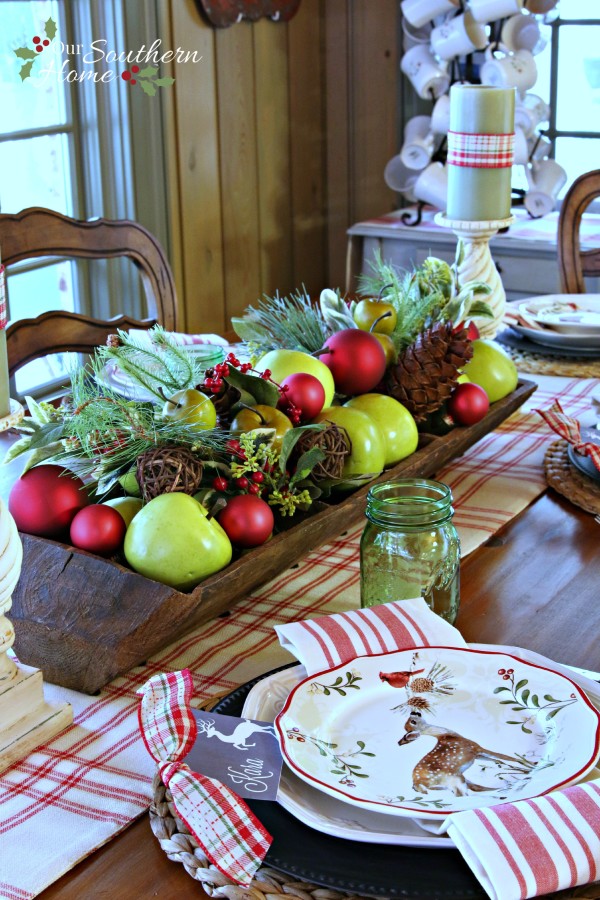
point(36, 232)
point(573, 262)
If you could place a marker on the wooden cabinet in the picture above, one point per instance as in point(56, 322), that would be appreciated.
point(525, 255)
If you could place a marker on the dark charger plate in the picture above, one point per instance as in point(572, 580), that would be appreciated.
point(371, 869)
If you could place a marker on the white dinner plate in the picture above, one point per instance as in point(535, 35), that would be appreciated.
point(437, 730)
point(332, 816)
point(568, 314)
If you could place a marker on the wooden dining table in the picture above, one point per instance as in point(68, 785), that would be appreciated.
point(535, 583)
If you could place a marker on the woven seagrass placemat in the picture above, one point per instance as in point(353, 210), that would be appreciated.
point(564, 478)
point(534, 364)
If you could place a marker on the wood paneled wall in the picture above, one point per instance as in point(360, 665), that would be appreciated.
point(278, 141)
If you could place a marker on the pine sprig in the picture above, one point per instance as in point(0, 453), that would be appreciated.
point(161, 366)
point(430, 293)
point(293, 323)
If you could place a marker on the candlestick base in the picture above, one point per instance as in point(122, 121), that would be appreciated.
point(13, 417)
point(477, 263)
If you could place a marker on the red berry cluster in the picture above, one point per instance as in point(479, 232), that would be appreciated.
point(253, 485)
point(506, 673)
point(213, 382)
point(40, 44)
point(128, 75)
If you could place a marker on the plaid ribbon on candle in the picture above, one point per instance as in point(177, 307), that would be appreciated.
point(569, 429)
point(533, 847)
point(3, 311)
point(228, 832)
point(480, 151)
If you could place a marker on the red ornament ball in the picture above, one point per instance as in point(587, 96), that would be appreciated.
point(305, 392)
point(247, 520)
point(468, 404)
point(45, 500)
point(356, 359)
point(99, 529)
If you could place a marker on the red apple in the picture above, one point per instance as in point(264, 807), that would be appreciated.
point(356, 359)
point(305, 392)
point(45, 499)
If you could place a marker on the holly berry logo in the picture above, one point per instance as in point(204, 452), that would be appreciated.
point(146, 78)
point(30, 54)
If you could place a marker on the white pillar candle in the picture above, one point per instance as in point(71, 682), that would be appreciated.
point(480, 152)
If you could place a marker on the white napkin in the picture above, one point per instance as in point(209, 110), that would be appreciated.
point(532, 847)
point(329, 641)
point(180, 338)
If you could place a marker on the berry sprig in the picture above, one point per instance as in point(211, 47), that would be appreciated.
point(30, 54)
point(146, 78)
point(214, 382)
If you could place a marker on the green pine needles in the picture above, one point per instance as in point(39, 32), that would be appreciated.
point(293, 323)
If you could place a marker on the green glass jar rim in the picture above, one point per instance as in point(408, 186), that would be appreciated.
point(409, 503)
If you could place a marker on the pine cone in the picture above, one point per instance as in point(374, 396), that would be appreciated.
point(426, 373)
point(418, 703)
point(422, 685)
point(224, 402)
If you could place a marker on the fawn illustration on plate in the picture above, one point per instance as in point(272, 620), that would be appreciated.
point(438, 729)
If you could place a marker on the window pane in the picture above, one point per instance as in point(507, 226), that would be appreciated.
point(576, 156)
point(579, 9)
point(35, 292)
point(36, 172)
point(578, 90)
point(40, 100)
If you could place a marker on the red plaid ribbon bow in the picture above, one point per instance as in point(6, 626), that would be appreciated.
point(228, 832)
point(3, 313)
point(480, 151)
point(569, 429)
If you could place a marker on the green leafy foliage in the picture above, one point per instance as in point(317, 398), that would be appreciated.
point(293, 323)
point(430, 293)
point(50, 29)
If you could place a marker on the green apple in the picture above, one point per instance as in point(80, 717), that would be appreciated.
point(171, 540)
point(398, 427)
point(261, 416)
point(192, 407)
point(368, 312)
point(287, 362)
point(492, 369)
point(129, 483)
point(367, 456)
point(127, 506)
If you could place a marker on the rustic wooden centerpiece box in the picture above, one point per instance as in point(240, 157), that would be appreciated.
point(84, 620)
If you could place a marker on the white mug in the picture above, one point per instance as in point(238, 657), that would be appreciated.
point(530, 113)
point(418, 12)
point(432, 185)
point(545, 179)
point(418, 142)
point(521, 149)
point(440, 115)
point(516, 70)
point(400, 178)
point(539, 147)
point(491, 10)
point(413, 36)
point(521, 32)
point(429, 78)
point(458, 36)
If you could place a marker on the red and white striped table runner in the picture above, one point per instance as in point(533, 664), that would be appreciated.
point(74, 794)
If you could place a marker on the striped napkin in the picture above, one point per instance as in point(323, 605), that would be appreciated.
point(228, 832)
point(532, 847)
point(330, 641)
point(516, 850)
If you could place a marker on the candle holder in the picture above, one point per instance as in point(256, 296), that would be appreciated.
point(477, 263)
point(26, 720)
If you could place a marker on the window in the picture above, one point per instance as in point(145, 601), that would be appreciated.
point(574, 90)
point(69, 145)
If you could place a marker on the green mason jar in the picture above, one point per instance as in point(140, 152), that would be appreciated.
point(409, 547)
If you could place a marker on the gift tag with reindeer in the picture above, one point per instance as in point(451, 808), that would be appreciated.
point(241, 753)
